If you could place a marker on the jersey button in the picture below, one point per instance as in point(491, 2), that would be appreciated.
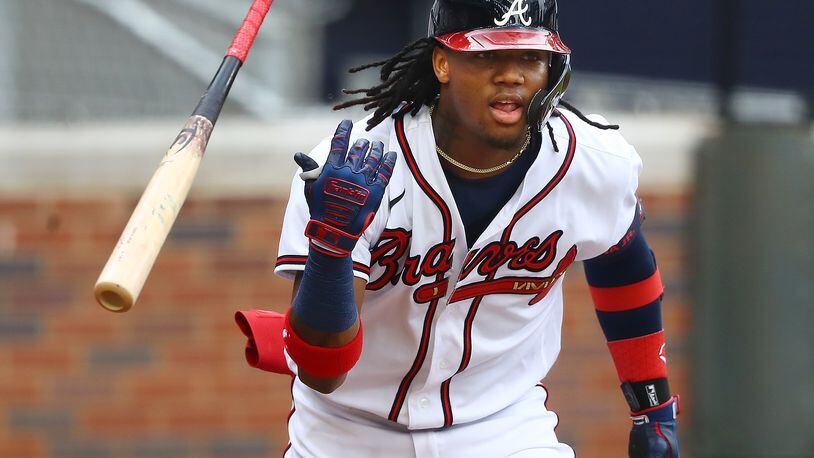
point(443, 364)
point(423, 403)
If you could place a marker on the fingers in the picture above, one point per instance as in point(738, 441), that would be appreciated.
point(363, 157)
point(372, 162)
point(386, 169)
point(310, 167)
point(356, 155)
point(305, 162)
point(379, 169)
point(340, 142)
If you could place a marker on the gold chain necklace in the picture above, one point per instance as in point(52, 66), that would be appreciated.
point(481, 171)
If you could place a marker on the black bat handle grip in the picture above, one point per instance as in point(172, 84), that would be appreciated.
point(212, 101)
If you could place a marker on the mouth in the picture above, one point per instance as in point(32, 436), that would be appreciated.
point(507, 109)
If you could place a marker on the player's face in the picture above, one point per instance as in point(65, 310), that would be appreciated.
point(489, 92)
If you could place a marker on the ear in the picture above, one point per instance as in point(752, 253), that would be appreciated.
point(440, 64)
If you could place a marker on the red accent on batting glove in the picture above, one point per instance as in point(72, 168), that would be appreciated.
point(330, 240)
point(264, 349)
point(620, 298)
point(318, 361)
point(640, 358)
point(659, 413)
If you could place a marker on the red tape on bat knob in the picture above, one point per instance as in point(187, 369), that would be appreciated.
point(248, 30)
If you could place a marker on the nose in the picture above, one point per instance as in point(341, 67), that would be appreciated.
point(508, 72)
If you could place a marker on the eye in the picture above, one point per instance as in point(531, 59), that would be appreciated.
point(533, 57)
point(483, 55)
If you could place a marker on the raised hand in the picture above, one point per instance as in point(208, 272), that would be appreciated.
point(344, 194)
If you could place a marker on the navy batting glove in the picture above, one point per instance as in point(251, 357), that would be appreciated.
point(344, 194)
point(654, 433)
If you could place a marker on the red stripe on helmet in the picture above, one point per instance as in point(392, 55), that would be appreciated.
point(504, 38)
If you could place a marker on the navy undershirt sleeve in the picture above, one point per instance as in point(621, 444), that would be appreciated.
point(629, 264)
point(325, 300)
point(632, 264)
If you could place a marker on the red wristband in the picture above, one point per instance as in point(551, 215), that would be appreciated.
point(318, 361)
point(640, 358)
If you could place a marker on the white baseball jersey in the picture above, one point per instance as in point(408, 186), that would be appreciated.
point(452, 334)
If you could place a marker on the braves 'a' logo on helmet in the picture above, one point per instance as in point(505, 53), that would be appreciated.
point(515, 15)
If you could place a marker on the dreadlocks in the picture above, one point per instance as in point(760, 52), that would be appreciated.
point(581, 116)
point(406, 77)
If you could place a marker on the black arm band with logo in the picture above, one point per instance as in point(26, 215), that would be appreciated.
point(646, 394)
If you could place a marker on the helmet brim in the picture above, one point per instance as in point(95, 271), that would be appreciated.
point(497, 39)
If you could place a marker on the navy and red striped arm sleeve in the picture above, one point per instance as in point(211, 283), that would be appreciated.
point(626, 288)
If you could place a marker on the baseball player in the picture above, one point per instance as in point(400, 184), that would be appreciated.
point(428, 244)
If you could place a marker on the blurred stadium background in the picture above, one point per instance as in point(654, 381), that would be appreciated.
point(715, 98)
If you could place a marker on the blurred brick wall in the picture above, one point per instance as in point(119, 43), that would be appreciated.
point(168, 378)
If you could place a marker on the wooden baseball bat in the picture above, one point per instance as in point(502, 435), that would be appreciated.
point(123, 277)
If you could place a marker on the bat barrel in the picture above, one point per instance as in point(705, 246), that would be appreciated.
point(113, 297)
point(122, 278)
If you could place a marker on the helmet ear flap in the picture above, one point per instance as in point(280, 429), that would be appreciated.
point(545, 100)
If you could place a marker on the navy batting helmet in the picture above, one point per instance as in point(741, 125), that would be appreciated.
point(492, 25)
